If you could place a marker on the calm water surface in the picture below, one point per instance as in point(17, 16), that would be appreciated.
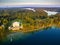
point(49, 36)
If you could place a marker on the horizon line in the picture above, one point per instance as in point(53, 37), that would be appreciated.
point(30, 6)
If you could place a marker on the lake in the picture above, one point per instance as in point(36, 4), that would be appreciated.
point(50, 36)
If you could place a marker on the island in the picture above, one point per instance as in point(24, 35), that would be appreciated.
point(27, 19)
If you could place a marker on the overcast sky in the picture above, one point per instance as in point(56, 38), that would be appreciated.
point(26, 2)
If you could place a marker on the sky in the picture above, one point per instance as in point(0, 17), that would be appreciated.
point(29, 2)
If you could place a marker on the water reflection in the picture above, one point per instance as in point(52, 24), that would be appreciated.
point(49, 36)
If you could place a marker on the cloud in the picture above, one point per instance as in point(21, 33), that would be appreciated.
point(33, 1)
point(28, 2)
point(28, 5)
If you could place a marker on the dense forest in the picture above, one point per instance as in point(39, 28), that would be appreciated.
point(31, 21)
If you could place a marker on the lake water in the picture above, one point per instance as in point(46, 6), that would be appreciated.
point(49, 36)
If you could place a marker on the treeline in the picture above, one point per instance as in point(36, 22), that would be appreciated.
point(27, 16)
